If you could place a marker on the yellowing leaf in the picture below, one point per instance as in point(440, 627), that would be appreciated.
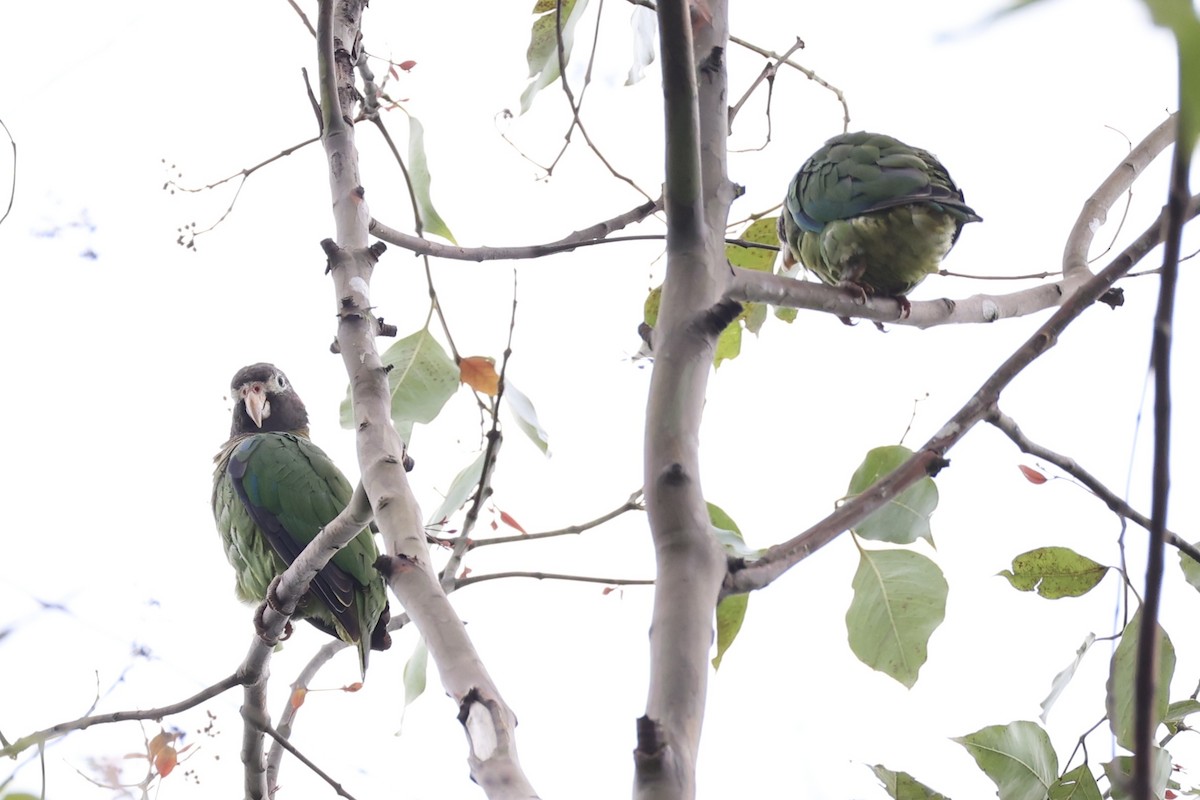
point(479, 372)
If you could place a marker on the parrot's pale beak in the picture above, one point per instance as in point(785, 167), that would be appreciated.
point(258, 408)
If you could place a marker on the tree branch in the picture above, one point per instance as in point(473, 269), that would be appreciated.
point(61, 729)
point(488, 722)
point(1146, 682)
point(689, 561)
point(744, 577)
point(590, 235)
point(1008, 426)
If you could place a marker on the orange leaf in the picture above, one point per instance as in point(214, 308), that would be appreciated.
point(512, 523)
point(165, 761)
point(609, 590)
point(298, 695)
point(407, 65)
point(1032, 475)
point(354, 687)
point(162, 753)
point(479, 373)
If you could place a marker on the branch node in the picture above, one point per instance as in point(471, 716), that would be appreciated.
point(390, 566)
point(674, 475)
point(717, 318)
point(936, 465)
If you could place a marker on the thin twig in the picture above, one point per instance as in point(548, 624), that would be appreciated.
point(62, 728)
point(767, 74)
point(291, 748)
point(1146, 683)
point(576, 121)
point(634, 503)
point(1118, 506)
point(494, 439)
point(549, 576)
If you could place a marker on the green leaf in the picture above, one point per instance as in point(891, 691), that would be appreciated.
point(731, 611)
point(526, 416)
point(421, 380)
point(1120, 771)
point(1078, 784)
point(418, 175)
point(1179, 16)
point(1190, 567)
point(460, 491)
point(760, 259)
point(1122, 676)
point(899, 601)
point(755, 315)
point(1054, 572)
point(729, 535)
point(1063, 678)
point(650, 307)
point(1181, 709)
point(905, 518)
point(1018, 758)
point(788, 315)
point(415, 672)
point(542, 53)
point(729, 343)
point(902, 786)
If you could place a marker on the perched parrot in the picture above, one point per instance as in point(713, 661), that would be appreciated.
point(273, 490)
point(868, 212)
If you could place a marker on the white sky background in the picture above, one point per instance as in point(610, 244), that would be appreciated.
point(117, 369)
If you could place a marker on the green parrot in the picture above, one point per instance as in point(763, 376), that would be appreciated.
point(273, 491)
point(869, 212)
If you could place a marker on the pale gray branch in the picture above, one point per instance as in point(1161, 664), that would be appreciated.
point(488, 723)
point(590, 235)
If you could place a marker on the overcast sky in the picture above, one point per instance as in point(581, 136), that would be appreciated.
point(121, 345)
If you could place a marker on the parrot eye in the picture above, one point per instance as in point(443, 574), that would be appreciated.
point(281, 382)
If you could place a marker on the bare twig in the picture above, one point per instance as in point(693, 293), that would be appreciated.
point(594, 234)
point(303, 17)
point(1118, 506)
point(576, 121)
point(767, 74)
point(549, 576)
point(1146, 682)
point(634, 503)
point(54, 731)
point(303, 759)
point(494, 439)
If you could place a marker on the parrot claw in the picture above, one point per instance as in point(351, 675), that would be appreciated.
point(260, 627)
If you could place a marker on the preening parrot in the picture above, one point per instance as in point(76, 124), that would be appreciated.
point(273, 491)
point(869, 212)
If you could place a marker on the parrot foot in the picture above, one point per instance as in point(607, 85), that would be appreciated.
point(260, 626)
